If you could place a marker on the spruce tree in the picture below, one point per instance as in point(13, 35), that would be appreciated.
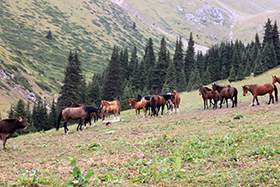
point(135, 78)
point(53, 115)
point(178, 58)
point(149, 61)
point(189, 58)
point(268, 35)
point(72, 83)
point(132, 61)
point(170, 79)
point(193, 81)
point(240, 74)
point(112, 84)
point(206, 77)
point(198, 82)
point(276, 42)
point(20, 109)
point(182, 84)
point(258, 67)
point(127, 93)
point(11, 112)
point(124, 64)
point(159, 71)
point(94, 93)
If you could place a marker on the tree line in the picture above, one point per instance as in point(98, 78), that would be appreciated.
point(126, 75)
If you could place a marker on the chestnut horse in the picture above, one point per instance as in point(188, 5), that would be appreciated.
point(138, 105)
point(261, 89)
point(113, 106)
point(88, 119)
point(156, 102)
point(275, 79)
point(75, 113)
point(227, 93)
point(208, 94)
point(176, 101)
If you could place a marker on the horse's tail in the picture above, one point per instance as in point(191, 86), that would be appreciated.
point(119, 108)
point(58, 120)
point(153, 104)
point(235, 96)
point(275, 93)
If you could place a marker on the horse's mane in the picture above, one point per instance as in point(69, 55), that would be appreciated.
point(90, 109)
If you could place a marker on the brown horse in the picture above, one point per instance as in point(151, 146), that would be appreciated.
point(261, 89)
point(138, 105)
point(75, 113)
point(156, 102)
point(275, 79)
point(226, 92)
point(176, 101)
point(208, 94)
point(89, 117)
point(113, 106)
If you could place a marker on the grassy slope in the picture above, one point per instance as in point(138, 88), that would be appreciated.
point(195, 147)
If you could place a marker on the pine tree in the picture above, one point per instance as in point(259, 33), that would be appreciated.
point(240, 74)
point(112, 84)
point(198, 82)
point(49, 35)
point(94, 92)
point(124, 64)
point(11, 112)
point(170, 79)
point(224, 73)
point(182, 84)
point(206, 77)
point(159, 71)
point(132, 61)
point(189, 58)
point(178, 58)
point(268, 35)
point(84, 99)
point(258, 67)
point(127, 93)
point(53, 115)
point(192, 84)
point(20, 109)
point(72, 83)
point(232, 76)
point(276, 42)
point(149, 61)
point(135, 78)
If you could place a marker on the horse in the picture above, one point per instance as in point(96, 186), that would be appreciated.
point(275, 79)
point(89, 117)
point(169, 104)
point(208, 94)
point(141, 97)
point(138, 105)
point(113, 106)
point(156, 102)
point(74, 114)
point(176, 101)
point(261, 89)
point(226, 92)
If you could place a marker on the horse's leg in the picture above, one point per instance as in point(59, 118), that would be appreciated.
point(66, 130)
point(135, 113)
point(257, 101)
point(221, 98)
point(162, 108)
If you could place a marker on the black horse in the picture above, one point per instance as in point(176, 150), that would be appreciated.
point(169, 104)
point(227, 92)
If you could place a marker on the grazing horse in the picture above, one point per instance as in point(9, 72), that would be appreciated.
point(226, 92)
point(75, 113)
point(113, 106)
point(138, 105)
point(176, 101)
point(89, 117)
point(156, 102)
point(208, 94)
point(261, 89)
point(275, 79)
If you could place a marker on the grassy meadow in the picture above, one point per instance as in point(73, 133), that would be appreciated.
point(222, 147)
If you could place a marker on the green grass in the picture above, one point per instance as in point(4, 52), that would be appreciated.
point(222, 147)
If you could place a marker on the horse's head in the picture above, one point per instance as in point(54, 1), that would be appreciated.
point(214, 87)
point(200, 90)
point(130, 101)
point(274, 79)
point(174, 92)
point(245, 89)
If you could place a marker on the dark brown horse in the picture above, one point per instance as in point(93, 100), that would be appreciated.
point(113, 106)
point(156, 102)
point(226, 93)
point(275, 79)
point(208, 94)
point(75, 113)
point(176, 101)
point(89, 117)
point(261, 89)
point(138, 105)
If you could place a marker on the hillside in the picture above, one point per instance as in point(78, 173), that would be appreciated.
point(222, 147)
point(33, 65)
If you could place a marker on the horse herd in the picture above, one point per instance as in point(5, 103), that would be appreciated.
point(219, 93)
point(85, 113)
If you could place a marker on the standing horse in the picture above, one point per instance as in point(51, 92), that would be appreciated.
point(89, 117)
point(75, 113)
point(156, 102)
point(275, 79)
point(261, 89)
point(169, 104)
point(138, 105)
point(176, 101)
point(208, 94)
point(113, 106)
point(146, 97)
point(226, 92)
